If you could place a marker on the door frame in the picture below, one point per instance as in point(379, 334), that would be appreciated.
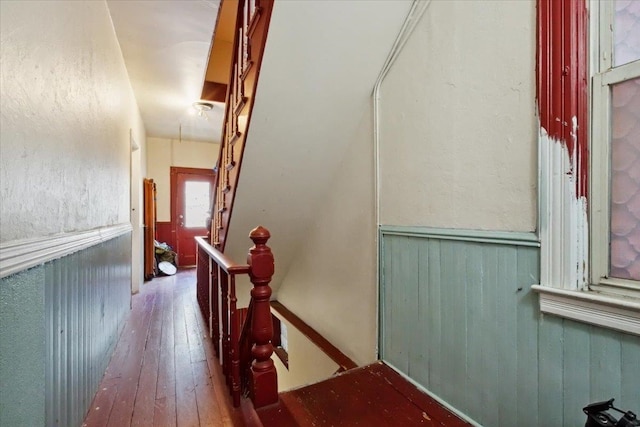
point(173, 172)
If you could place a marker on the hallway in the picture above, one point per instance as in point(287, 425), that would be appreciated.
point(164, 371)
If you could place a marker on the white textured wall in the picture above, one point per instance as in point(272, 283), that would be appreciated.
point(162, 154)
point(65, 113)
point(458, 139)
point(331, 281)
point(307, 171)
point(307, 363)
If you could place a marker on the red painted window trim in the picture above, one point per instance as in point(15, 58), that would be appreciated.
point(562, 80)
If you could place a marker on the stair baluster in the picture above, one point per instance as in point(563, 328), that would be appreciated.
point(243, 370)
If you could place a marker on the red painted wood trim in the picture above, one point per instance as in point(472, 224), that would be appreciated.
point(249, 414)
point(192, 171)
point(258, 43)
point(215, 310)
point(225, 336)
point(173, 172)
point(164, 234)
point(436, 411)
point(220, 259)
point(263, 383)
point(202, 283)
point(374, 395)
point(149, 196)
point(314, 336)
point(562, 79)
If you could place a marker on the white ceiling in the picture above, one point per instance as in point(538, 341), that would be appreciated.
point(166, 45)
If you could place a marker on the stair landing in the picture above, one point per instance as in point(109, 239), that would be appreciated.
point(374, 395)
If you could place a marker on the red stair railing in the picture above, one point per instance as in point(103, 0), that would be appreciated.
point(252, 24)
point(216, 290)
point(216, 274)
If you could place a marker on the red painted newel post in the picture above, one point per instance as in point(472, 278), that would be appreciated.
point(263, 385)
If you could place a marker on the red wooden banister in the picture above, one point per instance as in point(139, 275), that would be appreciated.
point(252, 371)
point(221, 259)
point(216, 272)
point(263, 382)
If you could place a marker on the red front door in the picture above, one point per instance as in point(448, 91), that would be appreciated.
point(191, 191)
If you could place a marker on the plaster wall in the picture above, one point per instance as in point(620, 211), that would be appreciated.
point(307, 363)
point(331, 281)
point(66, 115)
point(66, 110)
point(307, 172)
point(162, 154)
point(305, 113)
point(458, 139)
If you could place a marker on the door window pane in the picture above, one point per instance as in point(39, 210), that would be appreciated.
point(197, 204)
point(626, 33)
point(625, 180)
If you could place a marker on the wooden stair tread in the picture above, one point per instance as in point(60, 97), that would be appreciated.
point(374, 395)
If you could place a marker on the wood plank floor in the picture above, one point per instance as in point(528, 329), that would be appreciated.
point(374, 395)
point(163, 371)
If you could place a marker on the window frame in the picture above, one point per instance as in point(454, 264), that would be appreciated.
point(564, 70)
point(603, 76)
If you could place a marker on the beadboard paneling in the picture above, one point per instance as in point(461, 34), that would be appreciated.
point(459, 318)
point(87, 296)
point(60, 322)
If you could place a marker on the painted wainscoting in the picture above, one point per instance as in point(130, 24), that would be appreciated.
point(59, 323)
point(459, 318)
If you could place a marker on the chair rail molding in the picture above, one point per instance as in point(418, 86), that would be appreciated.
point(19, 255)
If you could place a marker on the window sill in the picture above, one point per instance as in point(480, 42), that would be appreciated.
point(610, 311)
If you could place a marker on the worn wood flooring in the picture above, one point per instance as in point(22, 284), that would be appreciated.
point(163, 371)
point(371, 396)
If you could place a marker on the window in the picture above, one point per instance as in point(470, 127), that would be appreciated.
point(615, 187)
point(197, 203)
point(588, 82)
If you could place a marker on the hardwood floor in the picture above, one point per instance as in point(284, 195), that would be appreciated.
point(373, 395)
point(163, 371)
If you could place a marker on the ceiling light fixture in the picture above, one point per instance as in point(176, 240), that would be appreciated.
point(202, 107)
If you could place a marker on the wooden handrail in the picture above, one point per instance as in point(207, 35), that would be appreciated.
point(216, 272)
point(216, 293)
point(221, 259)
point(333, 352)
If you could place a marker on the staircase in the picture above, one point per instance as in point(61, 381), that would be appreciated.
point(374, 395)
point(251, 25)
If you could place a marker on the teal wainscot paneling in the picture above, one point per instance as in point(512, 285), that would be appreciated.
point(458, 317)
point(59, 323)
